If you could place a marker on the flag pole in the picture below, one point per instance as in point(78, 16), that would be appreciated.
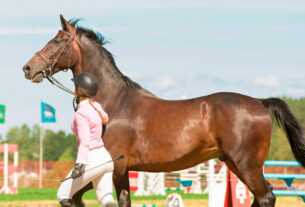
point(40, 156)
point(47, 116)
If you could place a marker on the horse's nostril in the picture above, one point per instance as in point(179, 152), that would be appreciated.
point(26, 68)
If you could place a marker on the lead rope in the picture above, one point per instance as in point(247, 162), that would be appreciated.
point(59, 85)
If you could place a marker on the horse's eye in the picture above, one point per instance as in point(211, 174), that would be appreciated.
point(56, 41)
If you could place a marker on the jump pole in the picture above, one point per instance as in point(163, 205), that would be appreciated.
point(6, 148)
point(40, 156)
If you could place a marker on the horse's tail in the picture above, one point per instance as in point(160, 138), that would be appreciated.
point(287, 121)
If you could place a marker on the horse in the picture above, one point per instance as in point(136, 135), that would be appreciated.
point(157, 135)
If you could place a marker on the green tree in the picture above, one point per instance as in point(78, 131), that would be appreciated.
point(67, 156)
point(27, 141)
point(54, 143)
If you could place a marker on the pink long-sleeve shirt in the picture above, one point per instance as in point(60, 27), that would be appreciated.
point(87, 126)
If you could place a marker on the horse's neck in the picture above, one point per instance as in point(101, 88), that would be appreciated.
point(96, 61)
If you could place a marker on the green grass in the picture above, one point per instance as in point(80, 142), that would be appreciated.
point(31, 194)
point(159, 197)
point(34, 194)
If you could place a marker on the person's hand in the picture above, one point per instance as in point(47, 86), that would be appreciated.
point(78, 170)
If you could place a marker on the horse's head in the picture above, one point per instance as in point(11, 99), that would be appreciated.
point(60, 53)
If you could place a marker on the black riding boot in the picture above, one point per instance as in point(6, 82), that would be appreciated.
point(66, 202)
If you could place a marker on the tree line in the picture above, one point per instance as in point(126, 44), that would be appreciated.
point(61, 146)
point(57, 145)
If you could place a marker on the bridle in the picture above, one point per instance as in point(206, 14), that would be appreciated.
point(50, 64)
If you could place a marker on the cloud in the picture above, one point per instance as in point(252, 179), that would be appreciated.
point(268, 81)
point(162, 83)
point(26, 8)
point(296, 92)
point(183, 97)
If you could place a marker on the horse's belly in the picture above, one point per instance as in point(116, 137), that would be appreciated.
point(173, 161)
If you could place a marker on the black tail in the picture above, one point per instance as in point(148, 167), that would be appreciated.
point(287, 121)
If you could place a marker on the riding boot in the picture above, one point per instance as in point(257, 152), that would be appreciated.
point(66, 202)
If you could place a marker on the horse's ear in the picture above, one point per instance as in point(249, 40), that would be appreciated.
point(66, 26)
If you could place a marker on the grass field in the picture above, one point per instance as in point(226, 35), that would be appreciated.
point(35, 194)
point(33, 197)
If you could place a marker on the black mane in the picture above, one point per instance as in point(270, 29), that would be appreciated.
point(96, 37)
point(100, 40)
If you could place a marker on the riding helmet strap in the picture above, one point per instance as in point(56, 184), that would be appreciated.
point(75, 104)
point(76, 99)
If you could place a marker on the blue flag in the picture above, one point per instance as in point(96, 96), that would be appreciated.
point(47, 113)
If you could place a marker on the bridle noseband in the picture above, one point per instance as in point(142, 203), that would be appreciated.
point(50, 64)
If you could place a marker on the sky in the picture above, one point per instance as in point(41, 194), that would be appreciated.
point(175, 49)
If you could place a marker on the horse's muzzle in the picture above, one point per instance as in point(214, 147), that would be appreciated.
point(35, 77)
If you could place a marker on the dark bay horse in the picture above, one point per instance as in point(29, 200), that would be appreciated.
point(158, 135)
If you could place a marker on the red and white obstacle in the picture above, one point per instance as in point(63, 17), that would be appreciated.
point(237, 193)
point(6, 169)
point(224, 188)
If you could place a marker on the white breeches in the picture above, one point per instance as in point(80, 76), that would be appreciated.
point(100, 176)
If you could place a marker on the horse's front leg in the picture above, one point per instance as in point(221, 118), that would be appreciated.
point(122, 188)
point(77, 197)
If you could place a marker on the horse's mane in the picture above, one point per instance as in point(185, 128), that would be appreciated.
point(100, 40)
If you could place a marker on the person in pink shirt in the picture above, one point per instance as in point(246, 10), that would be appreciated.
point(87, 126)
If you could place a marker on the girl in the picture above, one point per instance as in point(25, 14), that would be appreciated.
point(87, 126)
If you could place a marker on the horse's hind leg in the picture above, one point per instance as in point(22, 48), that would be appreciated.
point(252, 175)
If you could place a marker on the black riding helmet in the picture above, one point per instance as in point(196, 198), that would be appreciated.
point(88, 83)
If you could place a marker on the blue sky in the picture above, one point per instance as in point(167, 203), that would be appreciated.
point(176, 49)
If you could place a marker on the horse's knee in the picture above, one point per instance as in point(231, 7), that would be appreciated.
point(269, 200)
point(124, 200)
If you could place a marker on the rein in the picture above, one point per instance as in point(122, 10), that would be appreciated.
point(55, 82)
point(48, 71)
